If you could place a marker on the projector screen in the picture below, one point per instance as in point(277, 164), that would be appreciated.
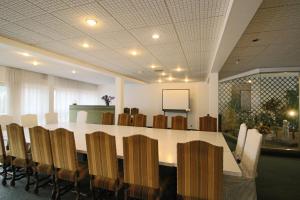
point(176, 99)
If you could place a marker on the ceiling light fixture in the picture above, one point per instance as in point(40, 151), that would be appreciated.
point(134, 53)
point(178, 69)
point(85, 45)
point(74, 72)
point(91, 22)
point(35, 63)
point(170, 78)
point(163, 73)
point(159, 80)
point(186, 80)
point(24, 54)
point(153, 66)
point(155, 36)
point(249, 81)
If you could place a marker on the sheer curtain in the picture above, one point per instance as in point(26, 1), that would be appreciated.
point(3, 99)
point(68, 92)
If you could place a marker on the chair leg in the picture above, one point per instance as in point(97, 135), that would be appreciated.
point(28, 179)
point(36, 185)
point(53, 187)
point(125, 194)
point(76, 185)
point(57, 196)
point(116, 195)
point(12, 182)
point(92, 188)
point(4, 175)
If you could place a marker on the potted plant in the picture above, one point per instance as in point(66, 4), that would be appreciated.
point(107, 99)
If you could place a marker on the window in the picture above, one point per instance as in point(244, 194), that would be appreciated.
point(3, 99)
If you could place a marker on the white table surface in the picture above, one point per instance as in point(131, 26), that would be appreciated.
point(167, 141)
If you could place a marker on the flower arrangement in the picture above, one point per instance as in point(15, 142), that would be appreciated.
point(107, 99)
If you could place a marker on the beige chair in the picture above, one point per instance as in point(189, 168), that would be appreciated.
point(19, 153)
point(199, 171)
point(160, 121)
point(238, 153)
point(51, 118)
point(6, 120)
point(236, 188)
point(103, 162)
point(41, 156)
point(29, 120)
point(141, 171)
point(81, 117)
point(4, 159)
point(66, 166)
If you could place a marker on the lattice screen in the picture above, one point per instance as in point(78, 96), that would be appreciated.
point(264, 86)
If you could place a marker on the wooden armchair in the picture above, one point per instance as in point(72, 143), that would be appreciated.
point(108, 118)
point(124, 119)
point(160, 121)
point(134, 111)
point(179, 123)
point(103, 163)
point(4, 159)
point(199, 171)
point(139, 120)
point(141, 171)
point(208, 123)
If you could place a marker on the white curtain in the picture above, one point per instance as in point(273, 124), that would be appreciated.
point(68, 92)
point(3, 99)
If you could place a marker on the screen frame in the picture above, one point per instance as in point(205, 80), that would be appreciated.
point(175, 110)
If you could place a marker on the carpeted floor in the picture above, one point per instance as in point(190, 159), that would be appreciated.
point(278, 179)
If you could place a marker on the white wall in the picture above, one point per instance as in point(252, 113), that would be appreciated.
point(148, 98)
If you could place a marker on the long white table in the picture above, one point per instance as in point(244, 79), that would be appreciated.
point(167, 141)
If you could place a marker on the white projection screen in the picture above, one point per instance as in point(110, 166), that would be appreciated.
point(176, 99)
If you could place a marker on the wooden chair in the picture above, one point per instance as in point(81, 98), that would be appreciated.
point(4, 159)
point(199, 171)
point(127, 111)
point(139, 120)
point(66, 166)
point(108, 118)
point(19, 154)
point(160, 121)
point(124, 120)
point(29, 120)
point(179, 123)
point(134, 111)
point(6, 120)
point(41, 156)
point(208, 123)
point(103, 162)
point(51, 118)
point(141, 170)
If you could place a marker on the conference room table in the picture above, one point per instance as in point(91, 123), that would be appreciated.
point(167, 141)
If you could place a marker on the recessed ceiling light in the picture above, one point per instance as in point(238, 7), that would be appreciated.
point(186, 80)
point(24, 54)
point(155, 36)
point(178, 69)
point(249, 81)
point(91, 22)
point(134, 53)
point(159, 80)
point(74, 72)
point(170, 78)
point(153, 66)
point(163, 73)
point(35, 63)
point(85, 45)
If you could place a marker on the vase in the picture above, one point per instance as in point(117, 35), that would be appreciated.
point(107, 103)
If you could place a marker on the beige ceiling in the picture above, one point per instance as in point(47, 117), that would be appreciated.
point(188, 31)
point(277, 26)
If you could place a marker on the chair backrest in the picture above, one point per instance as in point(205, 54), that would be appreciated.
point(40, 145)
point(81, 117)
point(127, 111)
point(29, 120)
point(141, 161)
point(63, 149)
point(124, 119)
point(208, 123)
point(251, 153)
point(200, 170)
point(134, 111)
point(139, 120)
point(51, 118)
point(102, 155)
point(2, 147)
point(17, 143)
point(108, 118)
point(160, 121)
point(6, 120)
point(179, 123)
point(241, 141)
